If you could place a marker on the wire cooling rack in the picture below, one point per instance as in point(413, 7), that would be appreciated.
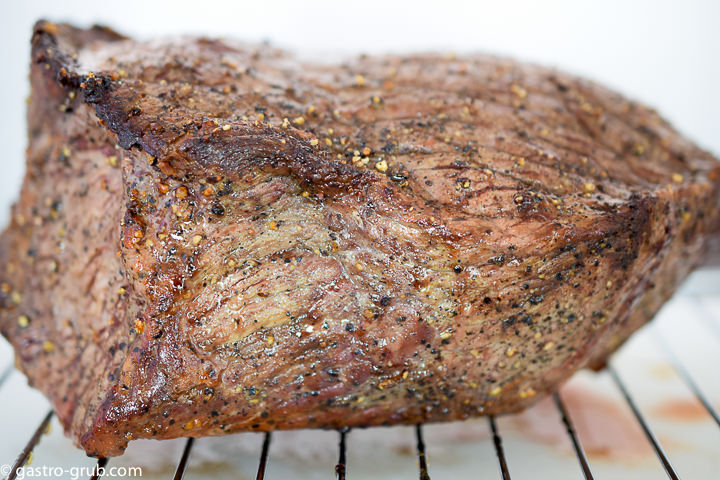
point(652, 413)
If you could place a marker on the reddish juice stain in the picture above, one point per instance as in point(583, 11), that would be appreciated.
point(681, 410)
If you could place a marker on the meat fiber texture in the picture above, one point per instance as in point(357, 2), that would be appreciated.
point(214, 237)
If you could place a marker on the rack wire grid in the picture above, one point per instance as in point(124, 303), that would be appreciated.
point(652, 413)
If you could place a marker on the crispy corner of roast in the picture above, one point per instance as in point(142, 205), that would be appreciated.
point(213, 237)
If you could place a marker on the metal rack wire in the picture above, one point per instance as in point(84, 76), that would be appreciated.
point(344, 436)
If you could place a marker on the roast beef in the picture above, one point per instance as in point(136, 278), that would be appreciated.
point(215, 237)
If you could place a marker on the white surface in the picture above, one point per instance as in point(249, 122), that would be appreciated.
point(665, 53)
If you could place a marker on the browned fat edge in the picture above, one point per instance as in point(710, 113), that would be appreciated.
point(282, 151)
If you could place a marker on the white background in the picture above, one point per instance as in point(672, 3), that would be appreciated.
point(664, 53)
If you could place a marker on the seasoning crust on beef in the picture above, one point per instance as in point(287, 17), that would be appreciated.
point(215, 237)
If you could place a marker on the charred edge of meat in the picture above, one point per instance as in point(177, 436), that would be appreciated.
point(283, 151)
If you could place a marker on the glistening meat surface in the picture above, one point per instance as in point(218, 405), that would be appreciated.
point(214, 237)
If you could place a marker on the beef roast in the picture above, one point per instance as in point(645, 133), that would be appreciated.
point(214, 237)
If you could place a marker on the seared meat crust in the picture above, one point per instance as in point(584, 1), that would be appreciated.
point(214, 237)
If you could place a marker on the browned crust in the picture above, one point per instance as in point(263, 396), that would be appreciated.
point(614, 250)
